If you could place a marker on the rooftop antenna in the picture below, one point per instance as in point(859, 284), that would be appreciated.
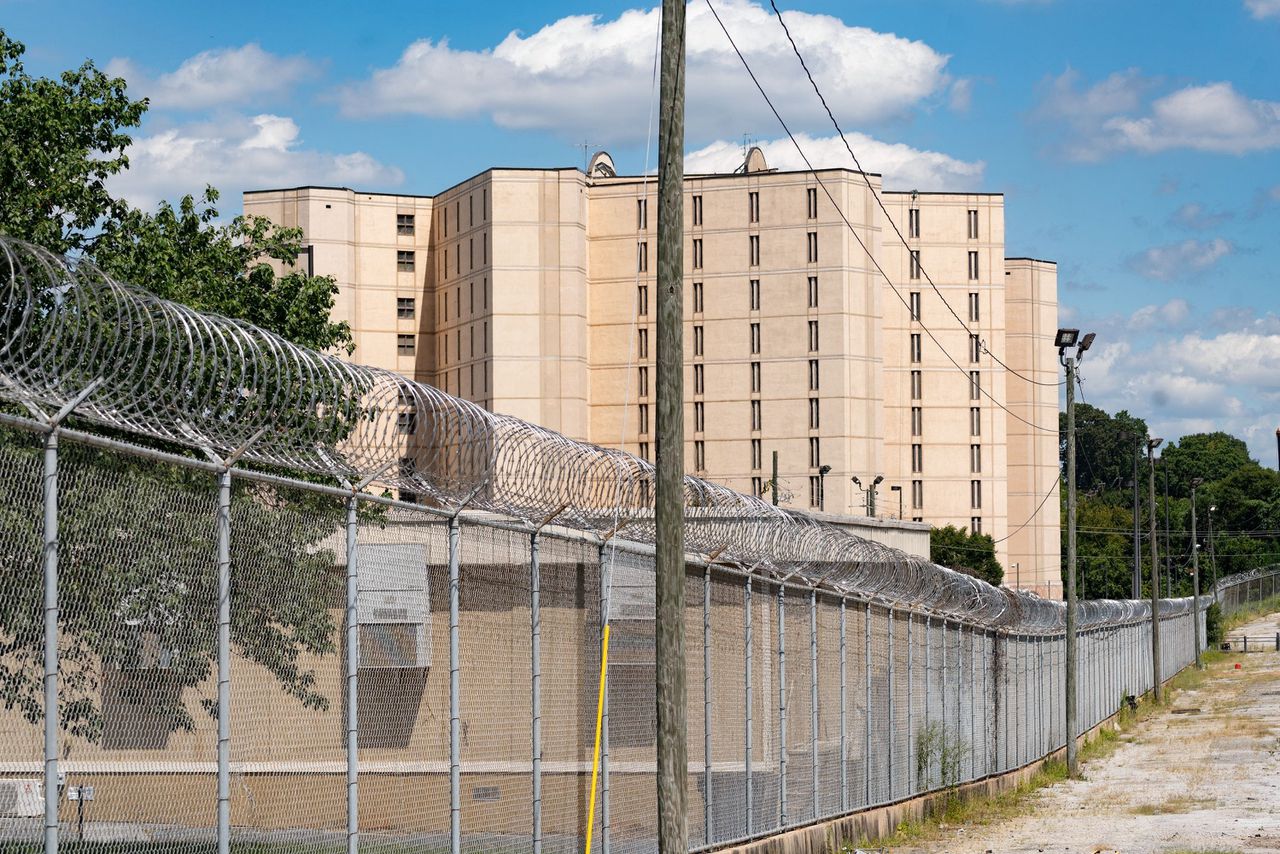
point(586, 153)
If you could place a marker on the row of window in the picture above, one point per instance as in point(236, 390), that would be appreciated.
point(753, 253)
point(753, 208)
point(917, 421)
point(457, 300)
point(975, 348)
point(913, 306)
point(915, 270)
point(917, 458)
point(913, 223)
point(457, 347)
point(699, 301)
point(975, 385)
point(471, 212)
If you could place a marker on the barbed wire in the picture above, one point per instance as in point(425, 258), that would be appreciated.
point(168, 372)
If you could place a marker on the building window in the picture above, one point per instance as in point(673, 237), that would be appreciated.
point(642, 343)
point(973, 308)
point(754, 290)
point(917, 385)
point(973, 266)
point(973, 225)
point(915, 347)
point(697, 340)
point(699, 455)
point(642, 214)
point(404, 225)
point(404, 260)
point(642, 300)
point(975, 524)
point(699, 422)
point(643, 377)
point(755, 415)
point(754, 246)
point(757, 454)
point(917, 421)
point(914, 305)
point(407, 423)
point(975, 459)
point(753, 207)
point(697, 379)
point(697, 210)
point(913, 222)
point(755, 338)
point(813, 375)
point(644, 418)
point(813, 247)
point(917, 494)
point(812, 193)
point(697, 297)
point(755, 377)
point(757, 486)
point(815, 452)
point(697, 253)
point(815, 489)
point(915, 263)
point(975, 421)
point(642, 257)
point(405, 345)
point(644, 450)
point(473, 297)
point(917, 458)
point(975, 494)
point(405, 308)
point(815, 414)
point(975, 385)
point(975, 348)
point(813, 336)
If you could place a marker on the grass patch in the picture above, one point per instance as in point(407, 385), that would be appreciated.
point(1175, 805)
point(1251, 612)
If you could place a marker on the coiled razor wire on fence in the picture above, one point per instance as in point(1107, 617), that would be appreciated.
point(168, 372)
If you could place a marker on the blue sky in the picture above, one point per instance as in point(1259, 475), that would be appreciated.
point(1137, 143)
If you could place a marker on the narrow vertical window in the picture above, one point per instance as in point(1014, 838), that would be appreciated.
point(644, 418)
point(815, 414)
point(917, 458)
point(642, 257)
point(697, 253)
point(813, 292)
point(975, 524)
point(813, 336)
point(698, 379)
point(917, 385)
point(975, 459)
point(973, 225)
point(755, 377)
point(471, 253)
point(697, 297)
point(917, 494)
point(812, 193)
point(913, 222)
point(917, 421)
point(813, 247)
point(471, 210)
point(642, 300)
point(643, 381)
point(753, 207)
point(755, 415)
point(697, 340)
point(642, 214)
point(975, 385)
point(915, 263)
point(813, 375)
point(642, 343)
point(815, 491)
point(697, 210)
point(644, 450)
point(974, 314)
point(914, 305)
point(975, 348)
point(815, 452)
point(973, 266)
point(754, 247)
point(975, 421)
point(915, 347)
point(754, 289)
point(755, 338)
point(699, 420)
point(975, 494)
point(757, 454)
point(757, 486)
point(700, 455)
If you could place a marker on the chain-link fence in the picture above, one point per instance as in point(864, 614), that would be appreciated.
point(1235, 591)
point(206, 653)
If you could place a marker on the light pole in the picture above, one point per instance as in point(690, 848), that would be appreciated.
point(1065, 339)
point(1213, 561)
point(1168, 553)
point(869, 495)
point(898, 489)
point(1152, 444)
point(865, 503)
point(1195, 571)
point(822, 487)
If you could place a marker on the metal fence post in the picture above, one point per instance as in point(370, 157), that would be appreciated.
point(866, 660)
point(51, 712)
point(942, 690)
point(535, 684)
point(455, 682)
point(747, 703)
point(844, 731)
point(606, 582)
point(928, 625)
point(224, 661)
point(910, 732)
point(973, 704)
point(813, 693)
point(782, 707)
point(353, 682)
point(706, 704)
point(889, 672)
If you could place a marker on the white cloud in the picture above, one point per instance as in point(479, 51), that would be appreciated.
point(1204, 118)
point(961, 95)
point(1263, 8)
point(582, 75)
point(236, 154)
point(1178, 260)
point(1196, 216)
point(903, 167)
point(235, 76)
point(1173, 313)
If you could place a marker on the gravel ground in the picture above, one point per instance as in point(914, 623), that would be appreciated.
point(1201, 777)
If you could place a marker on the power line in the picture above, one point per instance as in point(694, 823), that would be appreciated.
point(875, 262)
point(880, 202)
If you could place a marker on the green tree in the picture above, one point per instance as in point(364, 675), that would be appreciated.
point(137, 536)
point(970, 553)
point(1211, 456)
point(1105, 447)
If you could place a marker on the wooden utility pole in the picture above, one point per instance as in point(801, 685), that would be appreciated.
point(673, 748)
point(1152, 444)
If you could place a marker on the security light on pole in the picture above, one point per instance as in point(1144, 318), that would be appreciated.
point(822, 487)
point(898, 489)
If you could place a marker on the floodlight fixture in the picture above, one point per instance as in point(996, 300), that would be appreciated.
point(1066, 338)
point(1087, 341)
point(1154, 443)
point(824, 470)
point(878, 479)
point(857, 482)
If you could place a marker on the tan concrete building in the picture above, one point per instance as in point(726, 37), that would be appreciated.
point(810, 329)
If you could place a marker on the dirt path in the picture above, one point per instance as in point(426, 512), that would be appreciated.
point(1203, 777)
